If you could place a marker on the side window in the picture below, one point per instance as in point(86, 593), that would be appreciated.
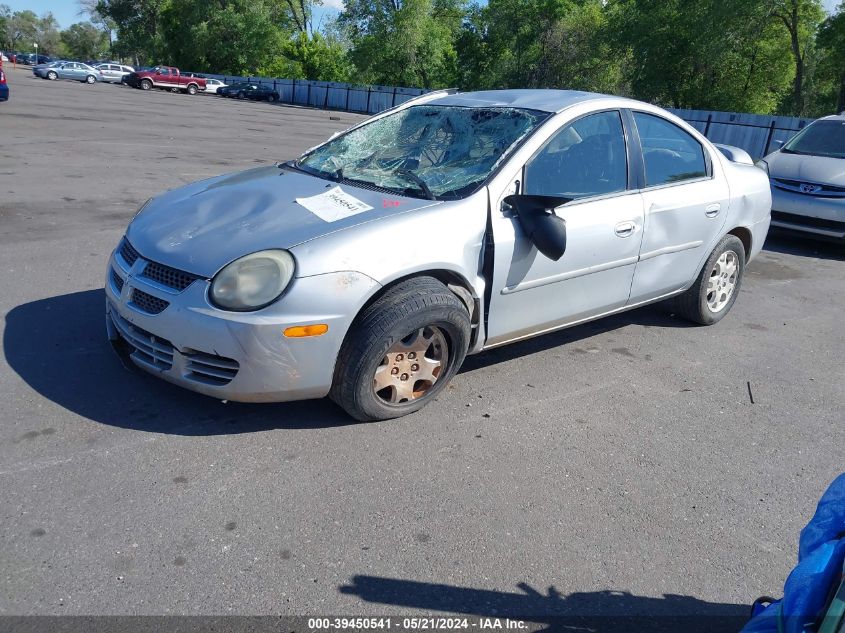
point(585, 158)
point(670, 153)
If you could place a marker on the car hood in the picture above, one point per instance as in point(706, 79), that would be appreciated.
point(202, 227)
point(817, 169)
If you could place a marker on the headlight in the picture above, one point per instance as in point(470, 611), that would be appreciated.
point(252, 282)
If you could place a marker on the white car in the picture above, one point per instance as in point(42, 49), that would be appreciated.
point(114, 73)
point(213, 85)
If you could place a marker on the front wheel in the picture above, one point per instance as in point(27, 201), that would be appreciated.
point(52, 76)
point(714, 291)
point(90, 79)
point(146, 84)
point(272, 97)
point(401, 351)
point(241, 95)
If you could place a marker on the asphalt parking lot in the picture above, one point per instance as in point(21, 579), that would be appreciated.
point(617, 467)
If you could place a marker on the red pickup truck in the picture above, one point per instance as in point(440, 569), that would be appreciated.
point(165, 77)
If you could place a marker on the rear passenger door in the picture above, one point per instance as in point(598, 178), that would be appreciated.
point(686, 206)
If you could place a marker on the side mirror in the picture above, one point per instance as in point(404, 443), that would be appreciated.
point(536, 215)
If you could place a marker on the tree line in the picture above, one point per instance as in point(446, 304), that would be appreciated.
point(762, 56)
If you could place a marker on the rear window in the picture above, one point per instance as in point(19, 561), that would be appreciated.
point(821, 138)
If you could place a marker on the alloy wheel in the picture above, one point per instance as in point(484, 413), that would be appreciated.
point(412, 366)
point(722, 281)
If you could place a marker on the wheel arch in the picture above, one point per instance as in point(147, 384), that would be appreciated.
point(745, 237)
point(454, 281)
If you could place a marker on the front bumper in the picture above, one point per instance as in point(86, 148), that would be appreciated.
point(233, 355)
point(819, 215)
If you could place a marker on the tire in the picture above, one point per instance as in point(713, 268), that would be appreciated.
point(417, 320)
point(90, 79)
point(241, 95)
point(191, 89)
point(271, 98)
point(146, 84)
point(52, 76)
point(723, 271)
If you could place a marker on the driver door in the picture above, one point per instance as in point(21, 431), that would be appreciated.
point(588, 161)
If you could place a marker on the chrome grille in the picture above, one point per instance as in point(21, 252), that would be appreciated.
point(147, 302)
point(116, 280)
point(211, 369)
point(147, 348)
point(830, 191)
point(128, 252)
point(167, 276)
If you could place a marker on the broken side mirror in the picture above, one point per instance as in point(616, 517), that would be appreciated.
point(546, 230)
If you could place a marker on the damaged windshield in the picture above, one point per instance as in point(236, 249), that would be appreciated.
point(436, 152)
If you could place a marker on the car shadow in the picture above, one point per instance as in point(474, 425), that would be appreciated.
point(605, 611)
point(789, 243)
point(58, 346)
point(656, 315)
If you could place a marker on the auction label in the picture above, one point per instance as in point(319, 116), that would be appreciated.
point(333, 205)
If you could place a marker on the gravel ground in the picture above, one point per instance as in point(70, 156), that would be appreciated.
point(617, 467)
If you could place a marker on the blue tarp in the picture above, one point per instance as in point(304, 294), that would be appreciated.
point(821, 555)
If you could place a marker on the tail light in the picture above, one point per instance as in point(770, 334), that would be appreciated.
point(2, 77)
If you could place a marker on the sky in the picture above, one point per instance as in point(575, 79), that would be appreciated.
point(67, 11)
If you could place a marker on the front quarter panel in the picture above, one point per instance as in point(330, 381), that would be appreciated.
point(447, 236)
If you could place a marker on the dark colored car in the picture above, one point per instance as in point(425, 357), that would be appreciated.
point(4, 87)
point(256, 92)
point(31, 59)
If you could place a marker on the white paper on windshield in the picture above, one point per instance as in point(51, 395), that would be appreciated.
point(333, 205)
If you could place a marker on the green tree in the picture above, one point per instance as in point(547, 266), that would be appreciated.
point(704, 55)
point(21, 30)
point(830, 71)
point(228, 36)
point(83, 40)
point(404, 42)
point(801, 20)
point(138, 27)
point(540, 43)
point(316, 57)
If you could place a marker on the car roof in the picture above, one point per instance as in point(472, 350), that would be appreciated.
point(834, 117)
point(544, 100)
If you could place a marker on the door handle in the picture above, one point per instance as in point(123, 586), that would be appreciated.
point(624, 229)
point(712, 210)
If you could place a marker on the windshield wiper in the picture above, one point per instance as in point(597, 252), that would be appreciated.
point(422, 184)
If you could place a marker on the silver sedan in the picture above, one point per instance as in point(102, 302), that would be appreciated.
point(808, 180)
point(371, 266)
point(69, 70)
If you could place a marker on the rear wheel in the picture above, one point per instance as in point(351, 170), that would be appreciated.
point(52, 75)
point(192, 89)
point(401, 351)
point(241, 95)
point(715, 289)
point(146, 84)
